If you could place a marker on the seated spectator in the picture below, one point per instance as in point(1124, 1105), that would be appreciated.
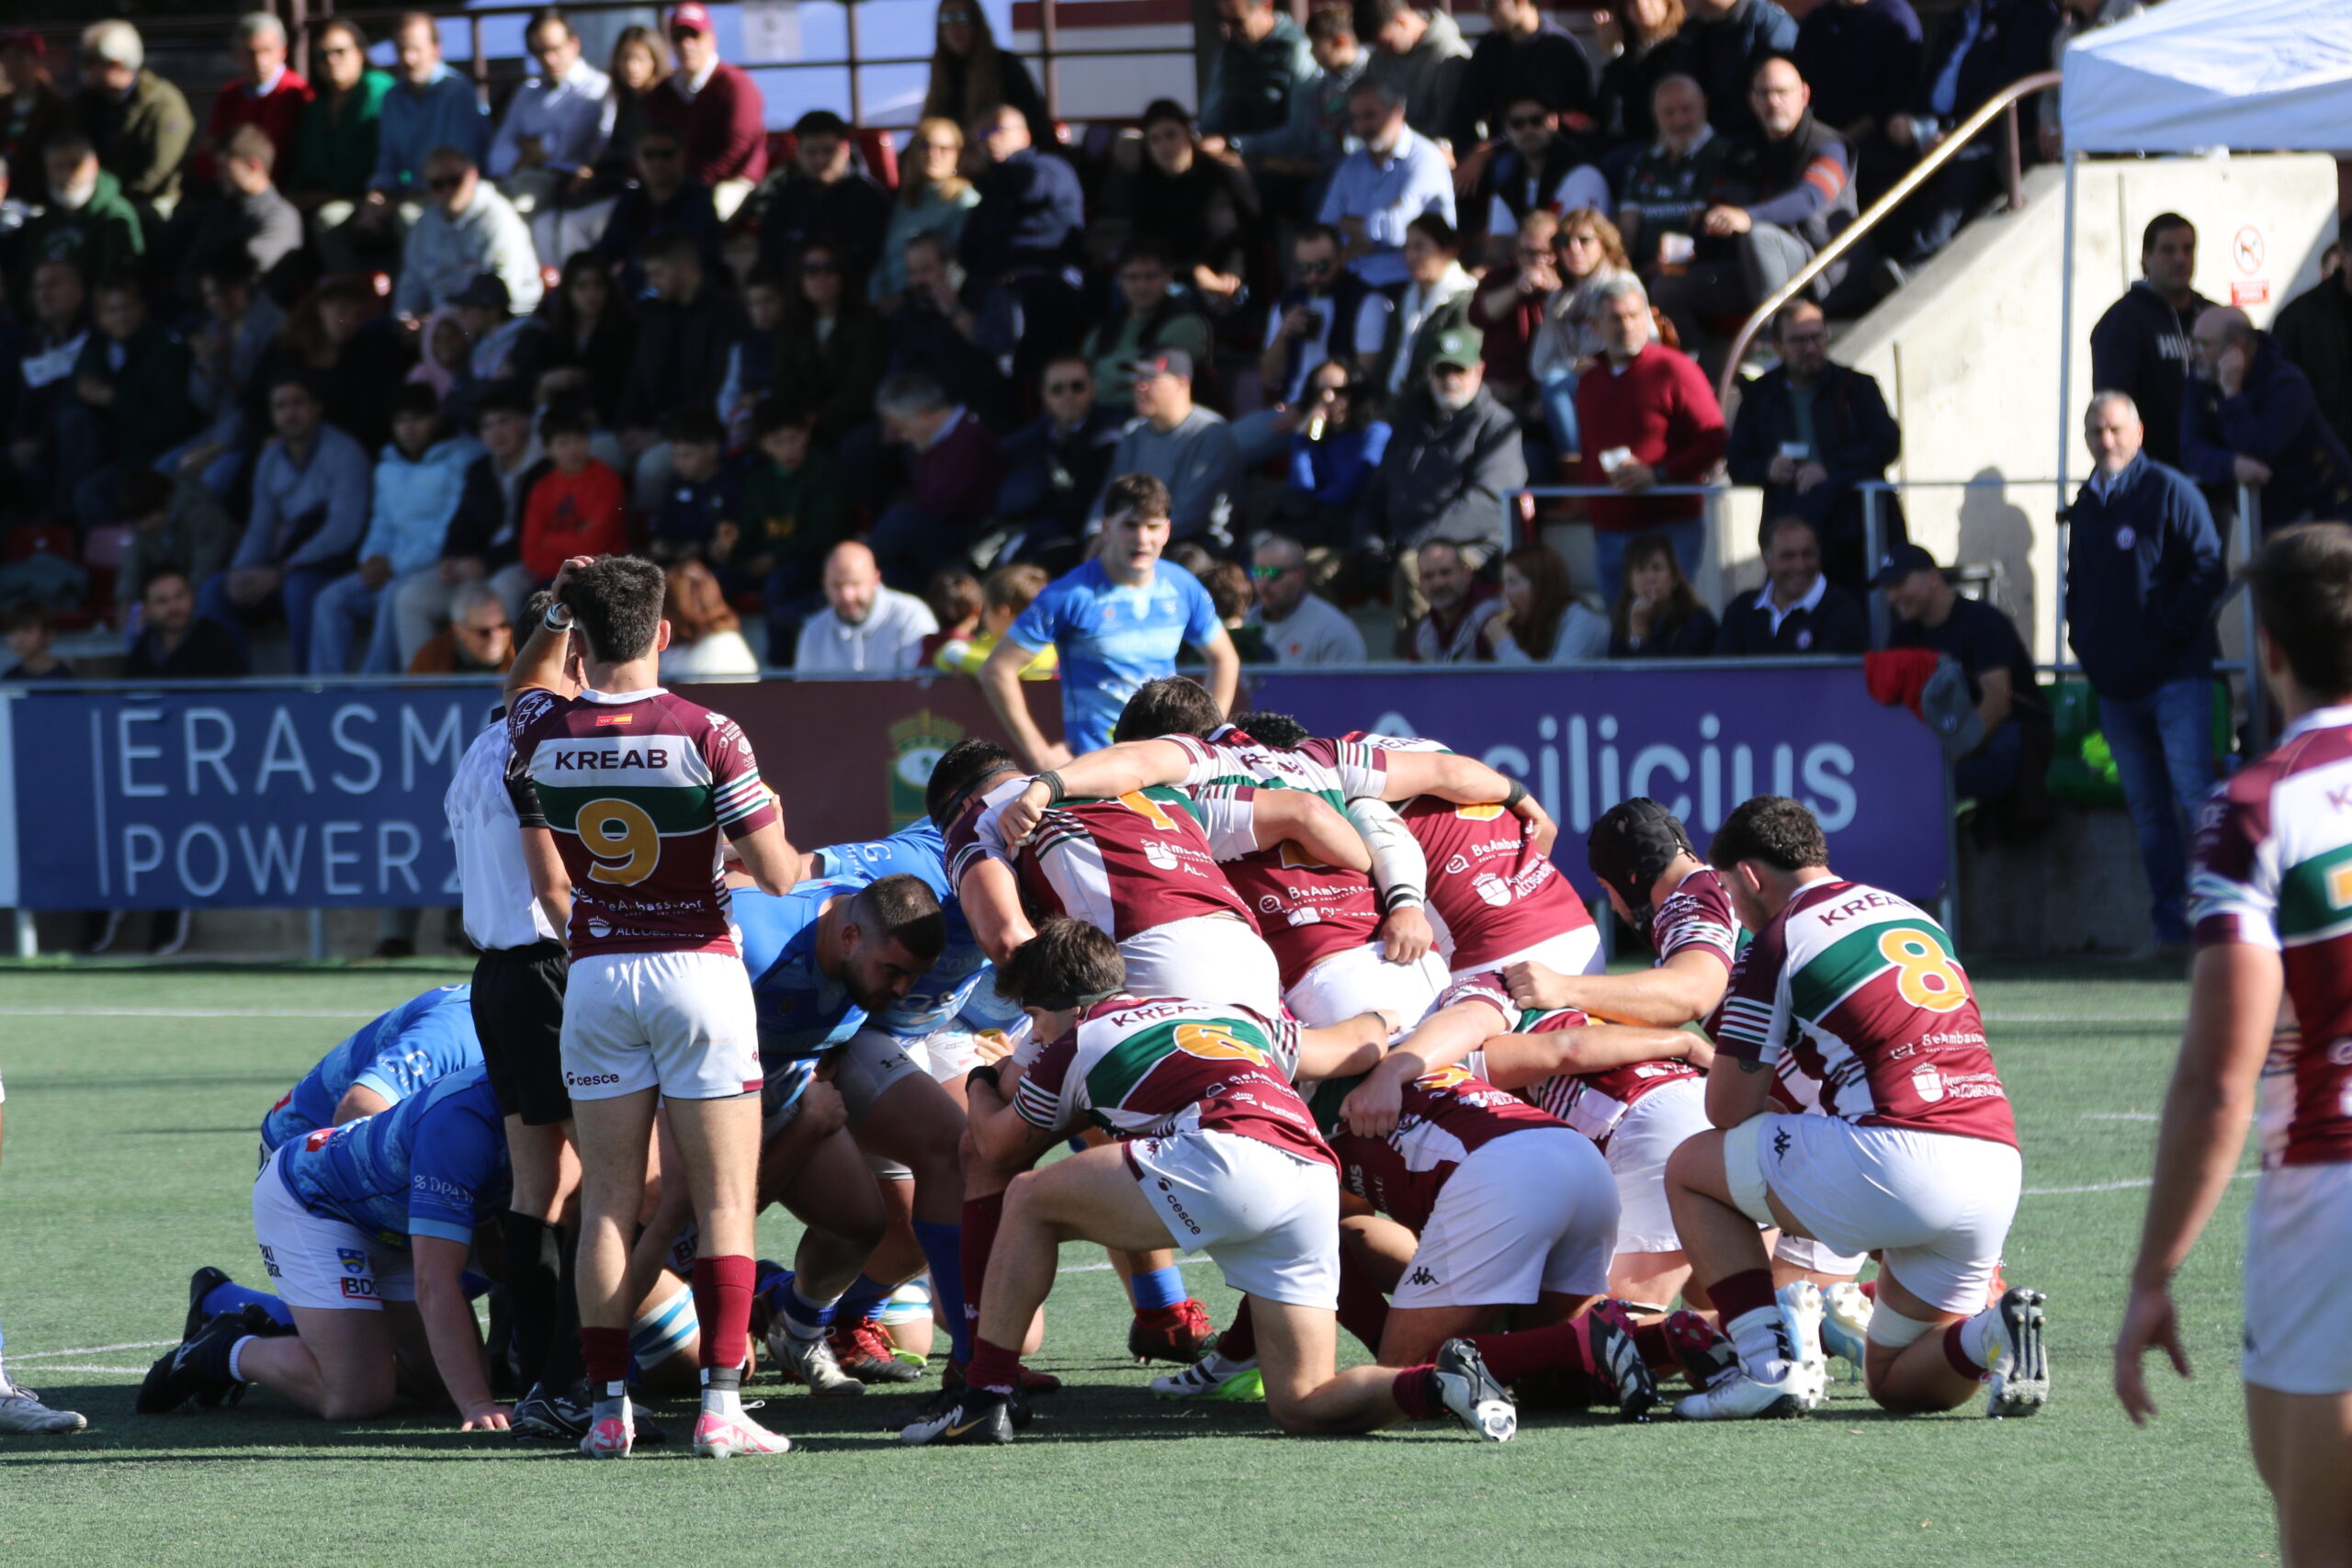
point(1643, 32)
point(1021, 246)
point(662, 202)
point(1297, 627)
point(1525, 59)
point(1186, 447)
point(1420, 56)
point(1262, 59)
point(1008, 591)
point(1720, 45)
point(1863, 59)
point(138, 121)
point(1535, 167)
point(1327, 314)
point(174, 643)
point(486, 535)
point(311, 497)
point(1983, 49)
point(418, 483)
point(577, 508)
point(824, 197)
point(1203, 211)
point(1393, 177)
point(479, 639)
point(548, 142)
point(1985, 645)
point(1798, 610)
point(1056, 466)
point(971, 78)
point(705, 639)
point(1658, 614)
point(717, 109)
point(88, 224)
point(1455, 606)
point(2251, 420)
point(24, 627)
point(266, 93)
point(1334, 453)
point(1646, 417)
point(704, 492)
point(250, 214)
point(1148, 315)
point(131, 387)
point(1542, 621)
point(794, 509)
point(1787, 189)
point(176, 523)
point(584, 324)
point(429, 108)
point(684, 333)
point(640, 62)
point(933, 332)
point(751, 359)
point(1508, 309)
point(957, 469)
point(933, 198)
point(830, 347)
point(1300, 153)
point(1809, 431)
point(446, 352)
point(1586, 253)
point(337, 141)
point(1228, 586)
point(1436, 301)
point(864, 628)
point(44, 349)
point(2314, 330)
point(31, 111)
point(467, 228)
point(955, 599)
point(331, 337)
point(1673, 182)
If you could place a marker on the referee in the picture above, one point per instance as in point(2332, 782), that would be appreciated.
point(518, 1012)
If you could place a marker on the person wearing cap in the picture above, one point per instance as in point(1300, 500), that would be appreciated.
point(716, 108)
point(31, 111)
point(139, 122)
point(554, 131)
point(429, 107)
point(466, 230)
point(1985, 643)
point(1797, 610)
point(1184, 445)
point(824, 196)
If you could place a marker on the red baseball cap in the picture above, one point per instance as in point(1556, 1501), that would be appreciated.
point(27, 39)
point(691, 17)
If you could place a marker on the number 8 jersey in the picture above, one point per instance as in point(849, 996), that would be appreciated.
point(637, 788)
point(1861, 988)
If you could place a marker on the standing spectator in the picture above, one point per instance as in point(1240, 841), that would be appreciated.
point(1116, 622)
point(1436, 301)
point(310, 510)
point(663, 202)
point(865, 629)
point(1300, 628)
point(2141, 345)
point(716, 109)
point(1394, 177)
point(1525, 57)
point(239, 323)
point(1788, 189)
point(1673, 181)
point(266, 92)
point(1986, 45)
point(705, 639)
point(2253, 421)
point(486, 534)
point(640, 63)
point(174, 643)
point(1202, 211)
point(466, 230)
point(89, 223)
point(1335, 450)
point(1542, 621)
point(1188, 448)
point(1798, 610)
point(1259, 63)
point(1646, 417)
point(577, 508)
point(430, 108)
point(584, 324)
point(1721, 45)
point(1586, 251)
point(794, 510)
point(479, 639)
point(1021, 246)
point(1862, 58)
point(26, 629)
point(1055, 467)
point(131, 387)
point(956, 470)
point(1658, 614)
point(1535, 166)
point(1150, 315)
point(2144, 575)
point(2314, 330)
point(418, 482)
point(46, 346)
point(1419, 54)
point(1454, 454)
point(1809, 431)
point(1985, 644)
point(139, 122)
point(251, 214)
point(556, 126)
point(830, 347)
point(971, 78)
point(338, 138)
point(1328, 314)
point(1645, 31)
point(1455, 606)
point(31, 112)
point(683, 334)
point(933, 197)
point(1300, 153)
point(824, 199)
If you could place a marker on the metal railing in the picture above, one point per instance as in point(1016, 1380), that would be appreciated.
point(1510, 510)
point(2001, 106)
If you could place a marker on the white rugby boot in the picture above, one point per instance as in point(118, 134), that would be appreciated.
point(1801, 1315)
point(1846, 1322)
point(2016, 1377)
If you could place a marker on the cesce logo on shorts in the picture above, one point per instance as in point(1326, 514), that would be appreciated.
point(589, 1080)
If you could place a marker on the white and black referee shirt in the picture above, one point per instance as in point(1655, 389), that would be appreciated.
point(493, 881)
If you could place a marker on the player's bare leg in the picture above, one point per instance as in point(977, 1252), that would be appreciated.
point(2302, 1449)
point(718, 1145)
point(1380, 1245)
point(1654, 1279)
point(1298, 1349)
point(614, 1136)
point(339, 1365)
point(1729, 1261)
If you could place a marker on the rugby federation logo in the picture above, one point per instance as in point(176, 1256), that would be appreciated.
point(1492, 889)
point(1159, 854)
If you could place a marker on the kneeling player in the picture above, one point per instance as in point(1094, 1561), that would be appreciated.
point(1914, 1158)
point(1211, 1145)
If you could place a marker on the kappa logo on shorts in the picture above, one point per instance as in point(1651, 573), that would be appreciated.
point(354, 1262)
point(1420, 1276)
point(1781, 1143)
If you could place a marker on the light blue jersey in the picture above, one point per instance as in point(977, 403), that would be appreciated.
point(959, 987)
point(1113, 640)
point(416, 1044)
point(434, 1165)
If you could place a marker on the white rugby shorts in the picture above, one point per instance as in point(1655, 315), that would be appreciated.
point(1935, 1206)
point(1651, 1129)
point(2298, 1280)
point(944, 1056)
point(1533, 1212)
point(1210, 959)
point(1269, 1220)
point(325, 1264)
point(681, 1022)
point(1358, 979)
point(1817, 1257)
point(1568, 953)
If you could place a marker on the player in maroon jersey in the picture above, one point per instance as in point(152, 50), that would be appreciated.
point(2269, 898)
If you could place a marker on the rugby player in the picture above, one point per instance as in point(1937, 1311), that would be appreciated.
point(2268, 901)
point(1211, 1144)
point(21, 1411)
point(1916, 1158)
point(623, 792)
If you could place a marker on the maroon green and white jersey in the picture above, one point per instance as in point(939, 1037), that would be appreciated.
point(1593, 1104)
point(1696, 916)
point(2274, 870)
point(1862, 987)
point(1150, 1068)
point(1492, 894)
point(637, 787)
point(1122, 865)
point(1340, 771)
point(1447, 1116)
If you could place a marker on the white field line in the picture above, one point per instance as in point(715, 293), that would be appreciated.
point(22, 1356)
point(47, 1367)
point(2086, 1020)
point(182, 1012)
point(2119, 1116)
point(2111, 1186)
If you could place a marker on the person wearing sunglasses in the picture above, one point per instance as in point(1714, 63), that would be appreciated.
point(1538, 165)
point(1334, 452)
point(466, 230)
point(662, 199)
point(1524, 56)
point(1300, 627)
point(1056, 466)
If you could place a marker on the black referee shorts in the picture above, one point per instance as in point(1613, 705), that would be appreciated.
point(518, 1014)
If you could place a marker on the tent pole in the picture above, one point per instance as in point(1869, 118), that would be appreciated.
point(2065, 380)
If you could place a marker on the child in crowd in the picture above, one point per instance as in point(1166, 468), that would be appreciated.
point(419, 480)
point(794, 509)
point(579, 509)
point(702, 494)
point(750, 364)
point(27, 626)
point(1007, 592)
point(131, 396)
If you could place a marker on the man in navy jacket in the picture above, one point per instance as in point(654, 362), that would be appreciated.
point(2251, 419)
point(2143, 577)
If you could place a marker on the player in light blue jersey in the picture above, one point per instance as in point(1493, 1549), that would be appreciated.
point(383, 1062)
point(365, 1228)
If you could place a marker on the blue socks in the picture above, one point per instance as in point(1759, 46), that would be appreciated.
point(1160, 1288)
point(943, 1248)
point(228, 1297)
point(863, 1299)
point(803, 1318)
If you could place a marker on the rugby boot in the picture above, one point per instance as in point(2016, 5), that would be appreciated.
point(23, 1415)
point(1618, 1367)
point(810, 1361)
point(2017, 1382)
point(1846, 1322)
point(1801, 1318)
point(1742, 1396)
point(1213, 1377)
point(974, 1415)
point(861, 1351)
point(1470, 1391)
point(734, 1435)
point(1178, 1333)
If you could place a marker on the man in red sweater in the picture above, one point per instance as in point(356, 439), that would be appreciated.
point(716, 108)
point(1648, 418)
point(267, 94)
point(577, 510)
